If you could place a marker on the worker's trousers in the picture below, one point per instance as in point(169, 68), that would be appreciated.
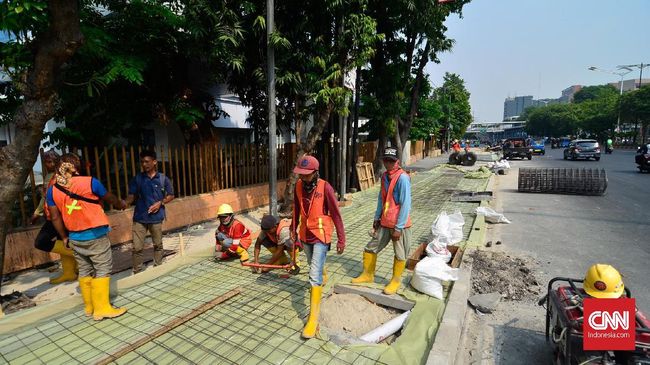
point(316, 256)
point(401, 247)
point(94, 257)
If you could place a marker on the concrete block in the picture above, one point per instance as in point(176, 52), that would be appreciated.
point(377, 296)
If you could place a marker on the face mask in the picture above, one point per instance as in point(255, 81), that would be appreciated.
point(309, 186)
point(226, 220)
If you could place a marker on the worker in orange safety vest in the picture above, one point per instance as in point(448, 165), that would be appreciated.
point(276, 237)
point(77, 212)
point(232, 236)
point(392, 223)
point(315, 215)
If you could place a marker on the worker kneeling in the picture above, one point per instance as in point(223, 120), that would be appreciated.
point(232, 236)
point(392, 223)
point(276, 237)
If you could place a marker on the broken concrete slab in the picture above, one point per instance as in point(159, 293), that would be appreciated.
point(376, 296)
point(485, 303)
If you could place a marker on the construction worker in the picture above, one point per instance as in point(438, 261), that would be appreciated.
point(150, 190)
point(47, 239)
point(276, 237)
point(603, 281)
point(232, 236)
point(75, 204)
point(392, 223)
point(455, 146)
point(315, 214)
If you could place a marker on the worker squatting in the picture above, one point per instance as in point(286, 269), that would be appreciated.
point(75, 211)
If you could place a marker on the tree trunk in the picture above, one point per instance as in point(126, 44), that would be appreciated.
point(381, 145)
point(304, 148)
point(405, 128)
point(51, 51)
point(355, 133)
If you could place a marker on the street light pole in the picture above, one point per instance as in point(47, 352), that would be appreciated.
point(273, 162)
point(621, 75)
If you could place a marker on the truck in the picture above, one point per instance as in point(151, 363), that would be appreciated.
point(517, 147)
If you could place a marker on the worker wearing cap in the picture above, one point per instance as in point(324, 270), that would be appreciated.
point(603, 281)
point(455, 146)
point(276, 237)
point(232, 236)
point(392, 223)
point(315, 215)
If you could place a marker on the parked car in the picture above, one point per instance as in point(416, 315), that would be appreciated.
point(517, 147)
point(582, 148)
point(642, 158)
point(538, 147)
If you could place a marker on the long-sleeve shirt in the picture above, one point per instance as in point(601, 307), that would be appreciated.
point(330, 206)
point(402, 196)
point(40, 208)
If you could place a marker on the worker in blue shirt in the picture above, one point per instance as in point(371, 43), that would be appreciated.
point(150, 190)
point(392, 222)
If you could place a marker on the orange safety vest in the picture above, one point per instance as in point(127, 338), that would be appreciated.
point(79, 215)
point(284, 223)
point(244, 239)
point(391, 209)
point(314, 218)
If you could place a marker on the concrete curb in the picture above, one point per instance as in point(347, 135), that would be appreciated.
point(448, 337)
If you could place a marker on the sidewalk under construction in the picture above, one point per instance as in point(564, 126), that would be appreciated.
point(195, 310)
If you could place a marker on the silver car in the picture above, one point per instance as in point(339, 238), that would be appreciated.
point(582, 148)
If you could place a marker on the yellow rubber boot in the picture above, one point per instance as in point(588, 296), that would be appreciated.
point(398, 269)
point(102, 308)
point(314, 311)
point(68, 263)
point(242, 253)
point(368, 274)
point(85, 286)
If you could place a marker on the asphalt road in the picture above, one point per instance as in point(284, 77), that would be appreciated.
point(565, 234)
point(573, 232)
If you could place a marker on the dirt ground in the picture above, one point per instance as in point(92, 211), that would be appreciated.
point(515, 330)
point(353, 314)
point(498, 271)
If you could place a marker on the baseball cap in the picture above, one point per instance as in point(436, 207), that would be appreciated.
point(306, 165)
point(390, 153)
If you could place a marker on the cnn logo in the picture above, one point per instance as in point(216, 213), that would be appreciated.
point(607, 324)
point(601, 320)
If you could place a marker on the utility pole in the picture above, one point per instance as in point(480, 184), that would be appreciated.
point(273, 151)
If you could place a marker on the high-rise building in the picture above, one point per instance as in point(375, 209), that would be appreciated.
point(513, 107)
point(567, 94)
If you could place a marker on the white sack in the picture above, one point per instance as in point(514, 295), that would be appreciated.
point(429, 274)
point(491, 216)
point(447, 229)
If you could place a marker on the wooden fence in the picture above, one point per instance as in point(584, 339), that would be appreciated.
point(193, 170)
point(419, 149)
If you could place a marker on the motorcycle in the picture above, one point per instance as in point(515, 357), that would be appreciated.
point(642, 158)
point(609, 149)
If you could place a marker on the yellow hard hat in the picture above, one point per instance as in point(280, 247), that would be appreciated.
point(603, 281)
point(225, 209)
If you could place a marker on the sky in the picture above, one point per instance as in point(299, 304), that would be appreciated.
point(507, 48)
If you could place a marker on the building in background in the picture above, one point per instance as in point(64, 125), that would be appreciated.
point(514, 107)
point(568, 93)
point(630, 85)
